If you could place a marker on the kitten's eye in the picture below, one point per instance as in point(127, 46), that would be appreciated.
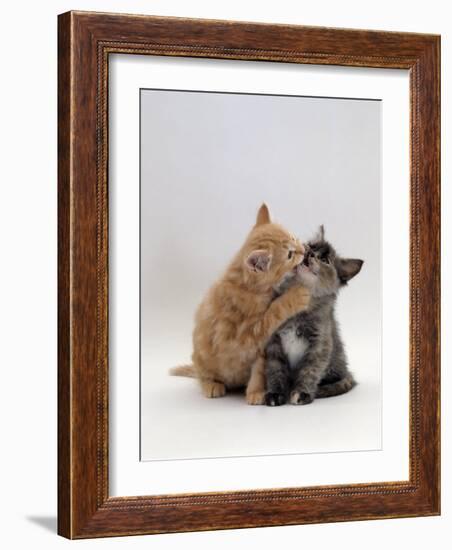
point(290, 255)
point(325, 260)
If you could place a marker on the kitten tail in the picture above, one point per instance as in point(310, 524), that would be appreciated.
point(183, 370)
point(336, 388)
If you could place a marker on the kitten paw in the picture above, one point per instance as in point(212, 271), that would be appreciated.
point(301, 398)
point(255, 398)
point(273, 399)
point(213, 389)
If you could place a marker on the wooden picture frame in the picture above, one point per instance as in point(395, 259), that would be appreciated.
point(85, 42)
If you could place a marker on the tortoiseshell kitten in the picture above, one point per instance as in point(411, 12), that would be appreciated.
point(305, 358)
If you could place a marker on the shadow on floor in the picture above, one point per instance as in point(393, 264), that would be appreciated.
point(49, 523)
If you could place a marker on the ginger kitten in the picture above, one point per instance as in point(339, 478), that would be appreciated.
point(239, 313)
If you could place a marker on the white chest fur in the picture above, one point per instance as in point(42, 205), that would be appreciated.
point(294, 347)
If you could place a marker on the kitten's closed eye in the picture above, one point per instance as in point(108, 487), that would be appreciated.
point(290, 255)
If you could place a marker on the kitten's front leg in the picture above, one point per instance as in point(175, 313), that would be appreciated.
point(293, 301)
point(255, 390)
point(277, 375)
point(310, 372)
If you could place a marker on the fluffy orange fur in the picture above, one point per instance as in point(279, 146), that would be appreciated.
point(238, 315)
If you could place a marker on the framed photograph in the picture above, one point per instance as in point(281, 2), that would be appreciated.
point(249, 275)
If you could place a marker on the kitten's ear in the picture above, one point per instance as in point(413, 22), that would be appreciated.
point(320, 235)
point(348, 268)
point(263, 215)
point(258, 261)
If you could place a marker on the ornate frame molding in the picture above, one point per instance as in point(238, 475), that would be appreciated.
point(85, 42)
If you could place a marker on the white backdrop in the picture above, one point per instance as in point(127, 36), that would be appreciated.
point(28, 277)
point(208, 160)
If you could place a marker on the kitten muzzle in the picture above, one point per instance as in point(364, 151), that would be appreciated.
point(307, 256)
point(309, 264)
point(299, 268)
